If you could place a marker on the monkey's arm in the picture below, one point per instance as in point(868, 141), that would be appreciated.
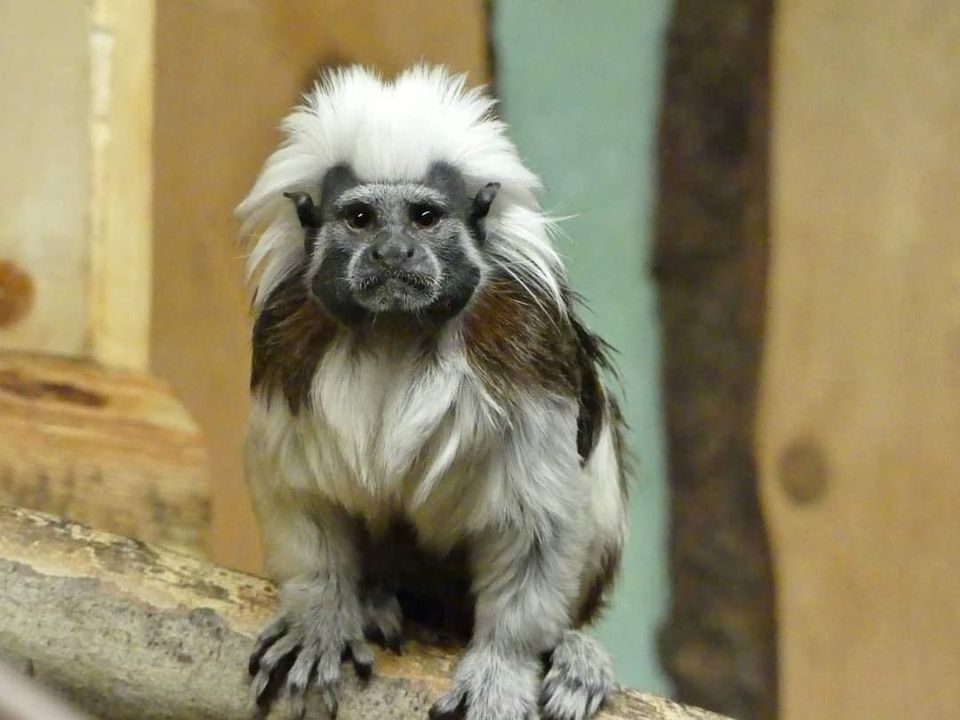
point(311, 550)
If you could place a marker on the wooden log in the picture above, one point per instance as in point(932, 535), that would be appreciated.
point(110, 448)
point(128, 631)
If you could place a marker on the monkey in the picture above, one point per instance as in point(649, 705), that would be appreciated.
point(431, 432)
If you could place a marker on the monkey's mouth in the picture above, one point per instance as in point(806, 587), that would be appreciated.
point(395, 290)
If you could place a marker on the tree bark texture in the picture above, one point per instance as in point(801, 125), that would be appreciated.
point(711, 265)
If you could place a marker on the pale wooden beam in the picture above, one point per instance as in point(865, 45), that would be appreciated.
point(76, 85)
point(127, 631)
point(121, 202)
point(45, 175)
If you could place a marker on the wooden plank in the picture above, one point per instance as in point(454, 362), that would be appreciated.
point(131, 632)
point(121, 128)
point(75, 242)
point(44, 176)
point(106, 447)
point(718, 643)
point(218, 105)
point(861, 417)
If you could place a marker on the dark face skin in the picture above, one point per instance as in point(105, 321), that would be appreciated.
point(406, 252)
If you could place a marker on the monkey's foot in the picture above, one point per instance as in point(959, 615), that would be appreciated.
point(490, 685)
point(579, 678)
point(383, 619)
point(297, 651)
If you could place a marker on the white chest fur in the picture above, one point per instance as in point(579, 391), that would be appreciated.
point(390, 432)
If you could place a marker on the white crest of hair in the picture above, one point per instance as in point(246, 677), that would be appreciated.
point(394, 130)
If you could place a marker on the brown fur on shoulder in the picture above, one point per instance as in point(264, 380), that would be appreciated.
point(289, 339)
point(517, 342)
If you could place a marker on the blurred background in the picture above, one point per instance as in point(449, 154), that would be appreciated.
point(763, 221)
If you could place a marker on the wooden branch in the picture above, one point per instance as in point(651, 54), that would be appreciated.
point(110, 448)
point(126, 631)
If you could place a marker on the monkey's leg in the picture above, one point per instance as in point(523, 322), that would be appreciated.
point(311, 549)
point(524, 591)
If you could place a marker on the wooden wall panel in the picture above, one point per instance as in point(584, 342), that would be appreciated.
point(860, 425)
point(121, 130)
point(44, 176)
point(227, 71)
point(76, 86)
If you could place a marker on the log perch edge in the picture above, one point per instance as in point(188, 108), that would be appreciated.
point(125, 630)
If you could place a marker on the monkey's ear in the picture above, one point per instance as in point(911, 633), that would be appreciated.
point(307, 213)
point(481, 206)
point(306, 210)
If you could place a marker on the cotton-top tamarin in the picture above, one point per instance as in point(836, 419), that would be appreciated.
point(429, 424)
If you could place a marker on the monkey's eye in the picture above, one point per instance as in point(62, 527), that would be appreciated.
point(359, 216)
point(425, 216)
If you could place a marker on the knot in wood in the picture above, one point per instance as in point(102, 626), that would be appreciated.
point(16, 293)
point(803, 471)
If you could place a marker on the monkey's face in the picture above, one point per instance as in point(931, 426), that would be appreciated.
point(400, 249)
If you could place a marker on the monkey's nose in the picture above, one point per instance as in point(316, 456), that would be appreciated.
point(392, 251)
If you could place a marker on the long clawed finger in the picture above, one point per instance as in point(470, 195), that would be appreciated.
point(273, 632)
point(389, 641)
point(450, 707)
point(362, 657)
point(270, 678)
point(279, 662)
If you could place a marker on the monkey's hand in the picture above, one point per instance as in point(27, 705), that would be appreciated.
point(491, 684)
point(320, 625)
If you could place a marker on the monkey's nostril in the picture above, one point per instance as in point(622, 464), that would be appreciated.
point(393, 252)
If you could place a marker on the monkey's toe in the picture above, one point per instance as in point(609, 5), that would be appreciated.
point(578, 680)
point(383, 620)
point(488, 685)
point(450, 706)
point(273, 656)
point(290, 661)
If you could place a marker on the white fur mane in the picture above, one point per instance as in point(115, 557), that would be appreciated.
point(393, 131)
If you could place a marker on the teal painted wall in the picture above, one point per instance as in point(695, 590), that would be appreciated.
point(580, 86)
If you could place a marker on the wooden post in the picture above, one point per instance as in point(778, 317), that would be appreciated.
point(127, 631)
